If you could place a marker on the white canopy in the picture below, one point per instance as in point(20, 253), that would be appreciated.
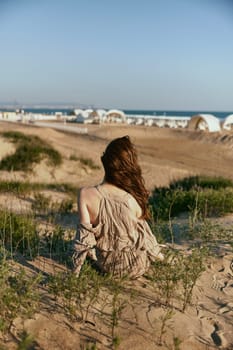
point(116, 113)
point(228, 122)
point(205, 122)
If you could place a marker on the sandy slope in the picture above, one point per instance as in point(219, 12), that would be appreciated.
point(205, 325)
point(164, 155)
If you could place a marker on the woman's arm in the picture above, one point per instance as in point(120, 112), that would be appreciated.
point(84, 242)
point(84, 217)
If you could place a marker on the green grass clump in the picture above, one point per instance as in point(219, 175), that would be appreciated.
point(191, 182)
point(15, 136)
point(16, 187)
point(62, 187)
point(18, 233)
point(26, 341)
point(206, 196)
point(58, 245)
point(210, 234)
point(22, 188)
point(19, 295)
point(88, 162)
point(175, 277)
point(85, 161)
point(73, 157)
point(92, 293)
point(43, 205)
point(77, 294)
point(30, 150)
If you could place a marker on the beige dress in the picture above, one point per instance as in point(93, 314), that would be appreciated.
point(121, 244)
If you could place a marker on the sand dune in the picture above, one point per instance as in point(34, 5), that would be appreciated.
point(164, 155)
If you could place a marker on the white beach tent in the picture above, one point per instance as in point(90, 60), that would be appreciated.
point(82, 116)
point(149, 122)
point(115, 115)
point(87, 112)
point(205, 122)
point(228, 122)
point(78, 111)
point(101, 112)
point(98, 115)
point(130, 121)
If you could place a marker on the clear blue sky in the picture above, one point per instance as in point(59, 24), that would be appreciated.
point(147, 54)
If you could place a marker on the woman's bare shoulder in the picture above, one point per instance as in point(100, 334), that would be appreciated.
point(88, 192)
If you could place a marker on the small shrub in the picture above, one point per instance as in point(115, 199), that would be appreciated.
point(18, 295)
point(215, 183)
point(214, 198)
point(15, 187)
point(210, 234)
point(65, 206)
point(22, 188)
point(44, 205)
point(192, 268)
point(164, 319)
point(161, 231)
point(165, 277)
point(41, 204)
point(58, 244)
point(15, 136)
point(85, 161)
point(77, 294)
point(73, 157)
point(117, 302)
point(88, 162)
point(19, 233)
point(62, 187)
point(26, 341)
point(175, 277)
point(91, 347)
point(30, 149)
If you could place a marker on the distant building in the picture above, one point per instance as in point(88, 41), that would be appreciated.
point(11, 116)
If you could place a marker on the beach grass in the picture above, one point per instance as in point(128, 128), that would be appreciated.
point(84, 161)
point(30, 150)
point(206, 196)
point(19, 293)
point(94, 297)
point(26, 187)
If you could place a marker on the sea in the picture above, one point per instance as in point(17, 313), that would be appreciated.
point(173, 113)
point(134, 112)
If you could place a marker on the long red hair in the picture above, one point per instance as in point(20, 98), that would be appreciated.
point(120, 162)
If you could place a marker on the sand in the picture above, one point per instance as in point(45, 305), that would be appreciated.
point(164, 155)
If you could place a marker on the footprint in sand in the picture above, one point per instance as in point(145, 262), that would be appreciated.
point(223, 278)
point(226, 308)
point(216, 331)
point(215, 335)
point(218, 284)
point(227, 264)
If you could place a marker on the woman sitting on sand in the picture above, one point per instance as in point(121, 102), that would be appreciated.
point(113, 230)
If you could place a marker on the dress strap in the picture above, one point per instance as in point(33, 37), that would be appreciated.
point(106, 195)
point(100, 190)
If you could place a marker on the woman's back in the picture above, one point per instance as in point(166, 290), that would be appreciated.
point(90, 198)
point(117, 220)
point(113, 228)
point(124, 243)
